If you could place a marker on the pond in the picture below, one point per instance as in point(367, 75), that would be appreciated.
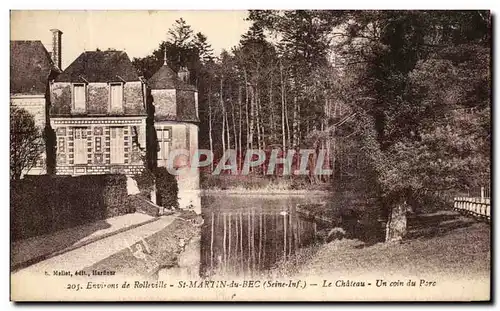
point(247, 234)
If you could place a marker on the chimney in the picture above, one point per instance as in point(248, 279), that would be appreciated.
point(184, 74)
point(56, 47)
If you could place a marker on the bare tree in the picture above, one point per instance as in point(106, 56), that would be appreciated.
point(26, 143)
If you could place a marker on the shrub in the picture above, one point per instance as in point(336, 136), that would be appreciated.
point(44, 204)
point(115, 195)
point(166, 188)
point(145, 181)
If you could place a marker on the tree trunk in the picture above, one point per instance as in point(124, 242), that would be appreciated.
point(271, 112)
point(295, 124)
point(234, 126)
point(223, 118)
point(252, 115)
point(287, 125)
point(282, 107)
point(299, 123)
point(246, 109)
point(210, 127)
point(228, 130)
point(396, 223)
point(326, 145)
point(239, 127)
point(262, 124)
point(257, 117)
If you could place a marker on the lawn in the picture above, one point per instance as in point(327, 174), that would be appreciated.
point(440, 244)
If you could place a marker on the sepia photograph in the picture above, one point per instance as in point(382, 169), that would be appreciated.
point(250, 155)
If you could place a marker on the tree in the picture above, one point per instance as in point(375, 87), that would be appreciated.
point(26, 143)
point(205, 50)
point(180, 33)
point(303, 44)
point(421, 86)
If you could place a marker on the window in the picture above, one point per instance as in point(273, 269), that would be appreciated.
point(80, 138)
point(117, 145)
point(61, 145)
point(116, 96)
point(98, 147)
point(79, 96)
point(163, 134)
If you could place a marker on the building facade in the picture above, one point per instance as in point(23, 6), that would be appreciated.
point(102, 117)
point(175, 111)
point(31, 68)
point(98, 114)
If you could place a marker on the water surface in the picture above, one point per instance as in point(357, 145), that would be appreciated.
point(247, 234)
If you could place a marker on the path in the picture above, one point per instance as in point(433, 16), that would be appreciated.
point(89, 254)
point(29, 251)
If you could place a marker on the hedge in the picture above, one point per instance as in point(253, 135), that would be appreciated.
point(167, 190)
point(44, 204)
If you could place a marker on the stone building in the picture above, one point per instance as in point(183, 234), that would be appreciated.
point(98, 114)
point(31, 69)
point(103, 117)
point(175, 114)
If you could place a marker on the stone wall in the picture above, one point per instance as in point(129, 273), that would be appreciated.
point(186, 105)
point(184, 136)
point(179, 134)
point(133, 99)
point(60, 98)
point(165, 104)
point(35, 105)
point(99, 170)
point(97, 133)
point(97, 100)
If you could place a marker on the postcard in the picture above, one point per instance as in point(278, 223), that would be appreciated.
point(260, 155)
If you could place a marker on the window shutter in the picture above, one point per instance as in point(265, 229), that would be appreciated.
point(80, 145)
point(79, 96)
point(117, 145)
point(116, 97)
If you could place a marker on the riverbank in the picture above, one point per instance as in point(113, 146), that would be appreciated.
point(261, 183)
point(443, 245)
point(160, 251)
point(258, 191)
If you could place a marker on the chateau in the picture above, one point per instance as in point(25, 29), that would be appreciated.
point(104, 116)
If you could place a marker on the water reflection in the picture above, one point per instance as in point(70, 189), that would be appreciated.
point(245, 235)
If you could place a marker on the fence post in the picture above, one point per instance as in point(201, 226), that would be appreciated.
point(482, 193)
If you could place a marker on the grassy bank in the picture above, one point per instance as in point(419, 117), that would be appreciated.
point(256, 183)
point(440, 244)
point(244, 191)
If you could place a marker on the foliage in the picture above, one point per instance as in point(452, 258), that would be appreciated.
point(145, 182)
point(166, 188)
point(165, 183)
point(26, 143)
point(425, 77)
point(44, 204)
point(400, 99)
point(260, 92)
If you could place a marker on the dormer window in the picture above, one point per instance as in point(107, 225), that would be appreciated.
point(116, 96)
point(79, 96)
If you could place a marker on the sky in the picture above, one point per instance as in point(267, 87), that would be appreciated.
point(136, 32)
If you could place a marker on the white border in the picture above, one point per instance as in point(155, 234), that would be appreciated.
point(204, 5)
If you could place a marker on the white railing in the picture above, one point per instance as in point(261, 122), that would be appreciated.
point(478, 207)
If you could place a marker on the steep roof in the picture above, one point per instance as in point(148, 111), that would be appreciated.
point(166, 79)
point(30, 67)
point(100, 66)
